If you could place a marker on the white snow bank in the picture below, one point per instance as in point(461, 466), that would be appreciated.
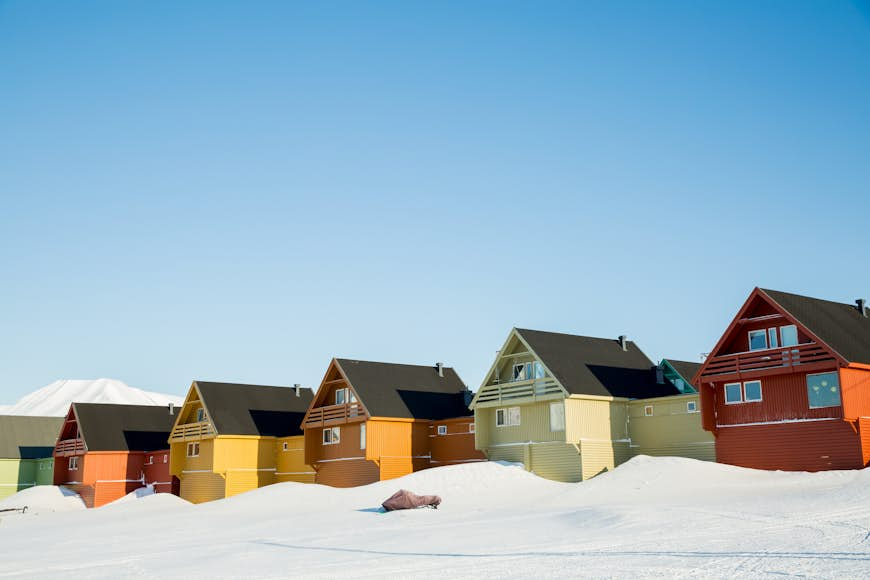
point(54, 400)
point(44, 499)
point(145, 498)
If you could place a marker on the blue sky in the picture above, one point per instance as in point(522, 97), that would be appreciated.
point(240, 191)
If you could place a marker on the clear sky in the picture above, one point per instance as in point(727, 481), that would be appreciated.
point(240, 191)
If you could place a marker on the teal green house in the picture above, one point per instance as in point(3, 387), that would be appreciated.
point(26, 447)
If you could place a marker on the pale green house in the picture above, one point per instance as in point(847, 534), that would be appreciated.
point(562, 405)
point(26, 447)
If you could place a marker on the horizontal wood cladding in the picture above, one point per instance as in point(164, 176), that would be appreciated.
point(784, 397)
point(670, 430)
point(349, 473)
point(456, 446)
point(510, 453)
point(242, 480)
point(864, 434)
point(557, 461)
point(290, 463)
point(534, 425)
point(803, 446)
point(202, 487)
point(348, 445)
point(855, 389)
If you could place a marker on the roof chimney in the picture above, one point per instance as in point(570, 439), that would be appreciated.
point(440, 368)
point(623, 342)
point(171, 408)
point(860, 302)
point(296, 388)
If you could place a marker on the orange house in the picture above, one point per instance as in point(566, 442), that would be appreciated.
point(372, 421)
point(106, 451)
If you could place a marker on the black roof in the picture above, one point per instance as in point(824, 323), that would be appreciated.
point(237, 409)
point(687, 370)
point(586, 365)
point(840, 326)
point(406, 391)
point(108, 427)
point(23, 437)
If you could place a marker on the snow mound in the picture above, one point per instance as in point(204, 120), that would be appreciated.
point(54, 400)
point(43, 499)
point(145, 498)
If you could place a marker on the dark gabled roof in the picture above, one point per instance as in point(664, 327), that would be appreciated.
point(840, 326)
point(406, 391)
point(585, 365)
point(686, 369)
point(236, 409)
point(108, 427)
point(23, 437)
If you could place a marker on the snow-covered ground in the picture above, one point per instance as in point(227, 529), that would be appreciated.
point(663, 517)
point(54, 400)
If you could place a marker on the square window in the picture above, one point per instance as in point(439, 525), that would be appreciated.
point(150, 460)
point(823, 390)
point(789, 335)
point(757, 339)
point(733, 393)
point(752, 391)
point(442, 429)
point(691, 406)
point(648, 411)
point(557, 416)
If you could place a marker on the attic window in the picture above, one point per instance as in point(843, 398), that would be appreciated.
point(200, 415)
point(648, 411)
point(340, 396)
point(757, 339)
point(788, 335)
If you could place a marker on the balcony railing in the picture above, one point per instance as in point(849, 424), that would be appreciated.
point(745, 362)
point(67, 447)
point(334, 415)
point(192, 431)
point(511, 391)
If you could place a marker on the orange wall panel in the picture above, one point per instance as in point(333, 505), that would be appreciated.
point(347, 473)
point(855, 389)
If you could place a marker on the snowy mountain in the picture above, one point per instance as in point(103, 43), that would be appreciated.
point(54, 400)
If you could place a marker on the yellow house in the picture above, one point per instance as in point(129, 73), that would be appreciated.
point(565, 406)
point(231, 438)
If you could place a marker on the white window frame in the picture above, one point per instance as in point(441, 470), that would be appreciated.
point(648, 410)
point(509, 415)
point(760, 392)
point(165, 458)
point(691, 406)
point(740, 391)
point(362, 435)
point(333, 437)
point(559, 425)
point(839, 387)
point(471, 427)
point(442, 429)
point(285, 446)
point(749, 334)
point(797, 339)
point(772, 338)
point(149, 460)
point(73, 464)
point(193, 449)
point(343, 393)
point(200, 415)
point(525, 372)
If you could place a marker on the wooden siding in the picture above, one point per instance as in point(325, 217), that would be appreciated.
point(784, 397)
point(595, 418)
point(671, 430)
point(242, 480)
point(202, 487)
point(20, 474)
point(512, 453)
point(558, 461)
point(864, 434)
point(347, 473)
point(290, 464)
point(349, 445)
point(598, 457)
point(455, 447)
point(801, 446)
point(534, 426)
point(855, 390)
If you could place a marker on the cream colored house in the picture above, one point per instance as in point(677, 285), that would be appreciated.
point(563, 404)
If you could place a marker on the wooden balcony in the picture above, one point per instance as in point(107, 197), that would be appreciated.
point(334, 415)
point(67, 447)
point(191, 431)
point(770, 361)
point(511, 392)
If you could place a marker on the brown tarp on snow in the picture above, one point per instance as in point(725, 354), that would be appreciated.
point(405, 500)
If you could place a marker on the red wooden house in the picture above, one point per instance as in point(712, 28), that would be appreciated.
point(106, 451)
point(788, 385)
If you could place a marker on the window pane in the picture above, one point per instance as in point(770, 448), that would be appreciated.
point(732, 393)
point(771, 335)
point(752, 390)
point(757, 339)
point(499, 417)
point(823, 390)
point(362, 436)
point(339, 396)
point(557, 416)
point(336, 434)
point(789, 335)
point(539, 370)
point(514, 416)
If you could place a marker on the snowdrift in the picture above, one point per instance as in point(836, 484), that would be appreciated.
point(44, 499)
